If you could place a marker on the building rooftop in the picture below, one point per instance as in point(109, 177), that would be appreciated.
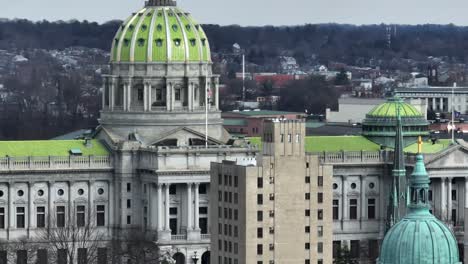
point(234, 122)
point(389, 109)
point(357, 143)
point(44, 148)
point(264, 113)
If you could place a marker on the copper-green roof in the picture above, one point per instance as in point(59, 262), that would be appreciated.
point(389, 109)
point(160, 34)
point(357, 143)
point(44, 148)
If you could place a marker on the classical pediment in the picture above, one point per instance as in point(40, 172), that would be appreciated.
point(456, 157)
point(184, 136)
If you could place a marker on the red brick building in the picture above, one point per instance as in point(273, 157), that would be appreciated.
point(250, 123)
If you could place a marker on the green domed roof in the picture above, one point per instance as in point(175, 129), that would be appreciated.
point(389, 109)
point(160, 33)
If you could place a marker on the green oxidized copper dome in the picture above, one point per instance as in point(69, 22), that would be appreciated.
point(161, 32)
point(419, 238)
point(389, 109)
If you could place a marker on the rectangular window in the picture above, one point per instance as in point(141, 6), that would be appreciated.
point(336, 248)
point(259, 249)
point(173, 211)
point(80, 215)
point(202, 189)
point(41, 256)
point(220, 179)
point(272, 196)
point(307, 245)
point(60, 215)
point(20, 217)
point(336, 205)
point(203, 210)
point(129, 219)
point(320, 214)
point(260, 182)
point(319, 197)
point(307, 212)
point(159, 94)
point(259, 216)
point(307, 179)
point(320, 181)
point(259, 232)
point(129, 187)
point(307, 229)
point(320, 231)
point(429, 194)
point(307, 196)
point(100, 215)
point(82, 256)
point(454, 195)
point(61, 256)
point(370, 208)
point(352, 208)
point(172, 189)
point(140, 94)
point(373, 249)
point(354, 249)
point(40, 216)
point(454, 217)
point(2, 217)
point(236, 181)
point(236, 198)
point(3, 256)
point(21, 257)
point(259, 199)
point(320, 247)
point(102, 256)
point(177, 94)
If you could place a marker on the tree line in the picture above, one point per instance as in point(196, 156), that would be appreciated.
point(307, 43)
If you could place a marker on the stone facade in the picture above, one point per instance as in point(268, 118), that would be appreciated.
point(281, 208)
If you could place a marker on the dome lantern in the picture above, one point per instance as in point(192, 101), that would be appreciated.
point(160, 3)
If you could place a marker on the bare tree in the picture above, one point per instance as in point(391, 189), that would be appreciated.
point(20, 250)
point(73, 237)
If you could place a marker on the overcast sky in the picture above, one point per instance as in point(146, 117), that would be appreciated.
point(253, 12)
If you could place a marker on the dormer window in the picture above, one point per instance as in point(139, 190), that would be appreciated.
point(126, 42)
point(203, 41)
point(159, 27)
point(159, 42)
point(175, 28)
point(122, 26)
point(170, 14)
point(197, 27)
point(141, 42)
point(149, 14)
point(144, 27)
point(193, 42)
point(131, 27)
point(188, 27)
point(159, 14)
point(177, 42)
point(140, 14)
point(116, 40)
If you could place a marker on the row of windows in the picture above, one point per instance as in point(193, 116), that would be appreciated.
point(42, 256)
point(228, 180)
point(60, 218)
point(353, 209)
point(228, 197)
point(319, 180)
point(60, 192)
point(228, 230)
point(228, 213)
point(319, 197)
point(228, 246)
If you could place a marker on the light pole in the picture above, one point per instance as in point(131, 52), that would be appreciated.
point(195, 258)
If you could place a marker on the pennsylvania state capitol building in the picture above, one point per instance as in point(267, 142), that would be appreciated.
point(146, 169)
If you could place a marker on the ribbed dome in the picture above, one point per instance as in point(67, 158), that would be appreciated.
point(160, 33)
point(419, 238)
point(389, 109)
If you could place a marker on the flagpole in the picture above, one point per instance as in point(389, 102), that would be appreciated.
point(206, 108)
point(453, 113)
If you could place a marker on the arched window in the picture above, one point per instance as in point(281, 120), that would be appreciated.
point(159, 27)
point(175, 28)
point(177, 42)
point(193, 42)
point(141, 42)
point(159, 42)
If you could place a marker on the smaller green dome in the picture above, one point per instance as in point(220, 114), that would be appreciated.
point(389, 109)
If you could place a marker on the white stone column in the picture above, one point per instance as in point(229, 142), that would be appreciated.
point(449, 200)
point(466, 192)
point(145, 97)
point(441, 104)
point(344, 213)
point(190, 96)
point(168, 204)
point(30, 207)
point(112, 203)
point(160, 209)
point(112, 95)
point(197, 206)
point(363, 199)
point(189, 206)
point(168, 96)
point(11, 209)
point(217, 95)
point(124, 97)
point(434, 104)
point(150, 100)
point(106, 84)
point(129, 96)
point(443, 198)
